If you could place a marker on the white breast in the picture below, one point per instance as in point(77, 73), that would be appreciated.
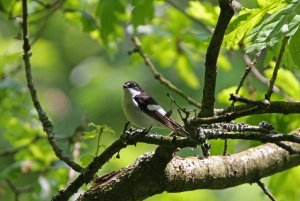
point(134, 114)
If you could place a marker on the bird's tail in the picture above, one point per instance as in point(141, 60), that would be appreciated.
point(177, 128)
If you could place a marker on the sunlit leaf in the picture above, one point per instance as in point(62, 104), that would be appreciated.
point(204, 11)
point(284, 22)
point(241, 26)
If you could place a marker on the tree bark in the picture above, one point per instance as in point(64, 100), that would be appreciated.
point(146, 176)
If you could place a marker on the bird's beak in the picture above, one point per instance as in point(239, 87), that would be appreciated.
point(125, 85)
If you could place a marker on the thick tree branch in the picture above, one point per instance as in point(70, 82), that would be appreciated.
point(164, 152)
point(46, 123)
point(88, 173)
point(212, 56)
point(139, 181)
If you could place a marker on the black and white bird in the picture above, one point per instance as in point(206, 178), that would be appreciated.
point(143, 111)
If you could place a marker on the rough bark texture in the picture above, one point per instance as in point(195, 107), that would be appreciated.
point(147, 176)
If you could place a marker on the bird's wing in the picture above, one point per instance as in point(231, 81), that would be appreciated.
point(149, 105)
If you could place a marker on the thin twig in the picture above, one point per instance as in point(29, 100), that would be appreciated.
point(241, 99)
point(246, 73)
point(46, 123)
point(266, 190)
point(225, 147)
point(260, 77)
point(138, 48)
point(276, 69)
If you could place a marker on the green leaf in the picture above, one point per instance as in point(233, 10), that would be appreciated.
point(109, 13)
point(283, 23)
point(294, 49)
point(291, 56)
point(89, 135)
point(98, 130)
point(265, 3)
point(142, 12)
point(241, 26)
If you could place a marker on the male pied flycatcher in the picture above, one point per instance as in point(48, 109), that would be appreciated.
point(143, 111)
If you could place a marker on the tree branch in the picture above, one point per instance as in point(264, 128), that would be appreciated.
point(212, 56)
point(88, 173)
point(46, 123)
point(138, 181)
point(165, 151)
point(279, 107)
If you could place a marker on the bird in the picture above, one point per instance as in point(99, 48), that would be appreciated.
point(143, 110)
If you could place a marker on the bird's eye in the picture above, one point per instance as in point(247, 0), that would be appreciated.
point(130, 85)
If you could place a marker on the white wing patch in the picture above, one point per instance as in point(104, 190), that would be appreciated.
point(157, 108)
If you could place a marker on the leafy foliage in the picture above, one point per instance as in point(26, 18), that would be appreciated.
point(241, 26)
point(283, 23)
point(86, 72)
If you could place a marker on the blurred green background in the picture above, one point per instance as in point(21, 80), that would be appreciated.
point(79, 71)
